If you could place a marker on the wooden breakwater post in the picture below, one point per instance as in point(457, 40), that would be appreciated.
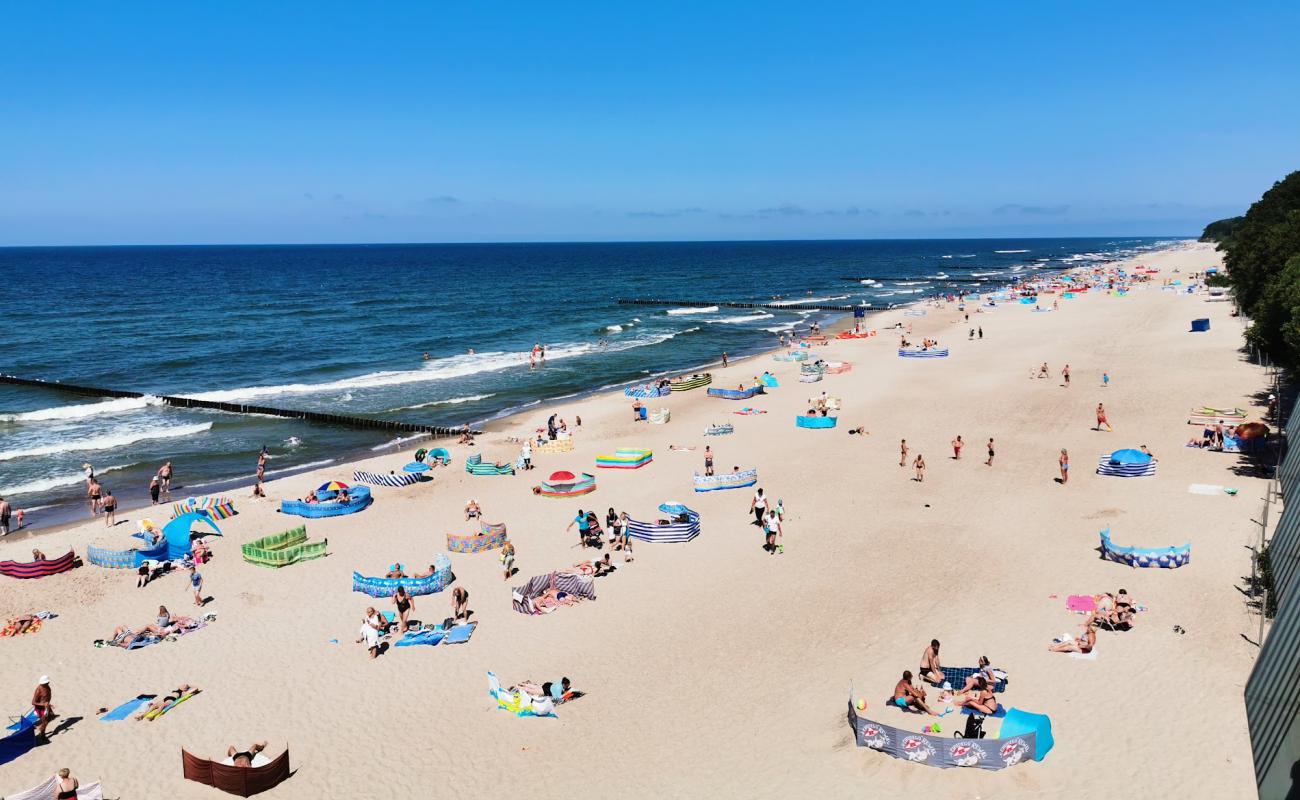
point(340, 420)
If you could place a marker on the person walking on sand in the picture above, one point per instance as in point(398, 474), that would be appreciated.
point(957, 445)
point(708, 460)
point(1064, 463)
point(405, 605)
point(5, 510)
point(989, 463)
point(919, 466)
point(757, 506)
point(724, 358)
point(583, 527)
point(771, 531)
point(902, 453)
point(981, 332)
point(1065, 376)
point(41, 705)
point(93, 491)
point(261, 464)
point(1101, 418)
point(110, 508)
point(165, 475)
point(196, 584)
point(1105, 379)
point(154, 488)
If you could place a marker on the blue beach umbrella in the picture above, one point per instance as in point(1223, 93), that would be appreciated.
point(416, 466)
point(1129, 456)
point(673, 508)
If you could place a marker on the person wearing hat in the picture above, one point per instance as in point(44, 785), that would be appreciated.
point(41, 705)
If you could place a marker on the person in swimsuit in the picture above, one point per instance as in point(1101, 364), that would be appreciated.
point(261, 464)
point(1065, 376)
point(1101, 418)
point(708, 460)
point(244, 758)
point(472, 510)
point(67, 785)
point(931, 670)
point(165, 475)
point(906, 695)
point(1064, 462)
point(508, 559)
point(460, 604)
point(110, 508)
point(41, 705)
point(902, 453)
point(405, 605)
point(919, 465)
point(985, 671)
point(93, 491)
point(162, 625)
point(167, 699)
point(1083, 644)
point(154, 489)
point(989, 463)
point(5, 510)
point(981, 699)
point(957, 445)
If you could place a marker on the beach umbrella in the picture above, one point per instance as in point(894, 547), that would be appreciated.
point(563, 477)
point(1129, 456)
point(416, 466)
point(1019, 723)
point(1252, 430)
point(672, 507)
point(332, 486)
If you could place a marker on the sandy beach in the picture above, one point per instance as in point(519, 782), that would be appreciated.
point(714, 668)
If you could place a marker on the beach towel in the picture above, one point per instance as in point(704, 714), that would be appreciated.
point(998, 714)
point(126, 709)
point(461, 633)
point(1081, 603)
point(1084, 656)
point(956, 677)
point(430, 638)
point(1206, 488)
point(50, 790)
point(11, 628)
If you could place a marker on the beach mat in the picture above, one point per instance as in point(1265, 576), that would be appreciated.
point(11, 628)
point(413, 638)
point(155, 714)
point(1081, 603)
point(126, 709)
point(1210, 489)
point(461, 633)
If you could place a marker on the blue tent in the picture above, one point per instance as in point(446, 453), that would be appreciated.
point(1129, 456)
point(416, 466)
point(674, 508)
point(175, 543)
point(1020, 723)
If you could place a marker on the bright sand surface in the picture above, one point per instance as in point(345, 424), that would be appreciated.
point(713, 668)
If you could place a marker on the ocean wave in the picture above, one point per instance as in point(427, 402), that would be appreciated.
point(84, 410)
point(614, 328)
point(107, 442)
point(292, 441)
point(452, 401)
point(910, 283)
point(679, 311)
point(58, 481)
point(1011, 251)
point(967, 255)
point(886, 294)
point(740, 319)
point(985, 274)
point(788, 326)
point(441, 369)
point(268, 473)
point(808, 300)
point(398, 441)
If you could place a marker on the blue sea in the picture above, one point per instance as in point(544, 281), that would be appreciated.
point(344, 329)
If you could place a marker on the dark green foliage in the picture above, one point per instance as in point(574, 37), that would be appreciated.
point(1263, 263)
point(1221, 230)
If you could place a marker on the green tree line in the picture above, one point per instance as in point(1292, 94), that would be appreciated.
point(1262, 257)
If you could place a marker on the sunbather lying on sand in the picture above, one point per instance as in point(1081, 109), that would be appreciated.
point(559, 691)
point(162, 702)
point(244, 758)
point(1083, 644)
point(23, 623)
point(980, 698)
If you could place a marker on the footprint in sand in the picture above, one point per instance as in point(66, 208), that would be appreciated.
point(251, 598)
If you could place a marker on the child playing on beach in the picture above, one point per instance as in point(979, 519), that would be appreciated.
point(957, 445)
point(1101, 418)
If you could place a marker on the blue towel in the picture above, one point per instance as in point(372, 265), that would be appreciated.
point(126, 709)
point(999, 714)
point(461, 633)
point(421, 637)
point(142, 641)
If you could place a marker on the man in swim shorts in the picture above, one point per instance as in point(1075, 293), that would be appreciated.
point(908, 696)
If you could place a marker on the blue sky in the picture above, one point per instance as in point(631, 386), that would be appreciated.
point(440, 121)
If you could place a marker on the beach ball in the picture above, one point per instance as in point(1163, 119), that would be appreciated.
point(862, 704)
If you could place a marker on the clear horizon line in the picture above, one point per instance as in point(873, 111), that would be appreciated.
point(1192, 237)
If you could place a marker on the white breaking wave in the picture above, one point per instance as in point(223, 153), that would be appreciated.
point(740, 319)
point(441, 369)
point(984, 274)
point(614, 328)
point(107, 442)
point(910, 283)
point(57, 481)
point(788, 326)
point(398, 442)
point(269, 472)
point(680, 311)
point(84, 410)
point(1011, 251)
point(453, 401)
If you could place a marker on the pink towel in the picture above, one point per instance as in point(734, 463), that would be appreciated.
point(1081, 603)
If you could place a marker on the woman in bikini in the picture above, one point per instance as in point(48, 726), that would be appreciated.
point(981, 699)
point(166, 700)
point(1083, 644)
point(1064, 462)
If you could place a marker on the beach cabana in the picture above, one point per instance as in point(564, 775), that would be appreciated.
point(1019, 723)
point(387, 587)
point(727, 480)
point(769, 381)
point(490, 537)
point(734, 394)
point(669, 531)
point(803, 421)
point(283, 549)
point(625, 458)
point(359, 499)
point(566, 484)
point(1127, 463)
point(685, 384)
point(39, 568)
point(436, 454)
point(214, 507)
point(1162, 557)
point(176, 538)
point(475, 465)
point(917, 352)
point(660, 416)
point(264, 774)
point(391, 479)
